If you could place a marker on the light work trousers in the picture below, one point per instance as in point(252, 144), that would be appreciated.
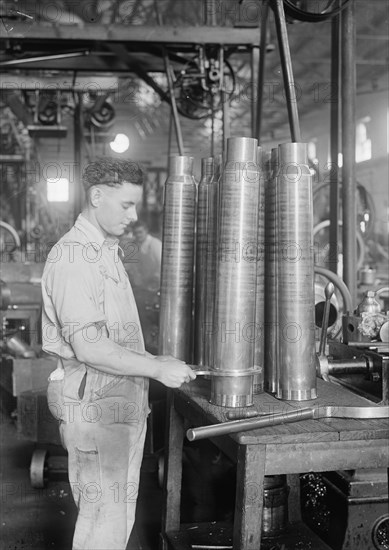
point(102, 426)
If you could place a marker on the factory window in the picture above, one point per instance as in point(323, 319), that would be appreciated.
point(362, 142)
point(57, 189)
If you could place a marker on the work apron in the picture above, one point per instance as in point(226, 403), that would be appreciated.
point(103, 426)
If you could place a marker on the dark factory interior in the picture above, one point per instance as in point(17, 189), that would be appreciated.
point(210, 368)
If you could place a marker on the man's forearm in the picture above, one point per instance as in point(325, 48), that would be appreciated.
point(108, 356)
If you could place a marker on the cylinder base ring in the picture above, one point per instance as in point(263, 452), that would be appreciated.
point(297, 395)
point(223, 400)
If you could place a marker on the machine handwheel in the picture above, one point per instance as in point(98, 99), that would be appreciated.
point(380, 533)
point(39, 468)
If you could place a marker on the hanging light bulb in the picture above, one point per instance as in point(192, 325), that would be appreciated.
point(120, 144)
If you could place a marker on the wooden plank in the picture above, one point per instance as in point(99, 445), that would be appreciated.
point(173, 469)
point(60, 82)
point(297, 432)
point(325, 457)
point(334, 394)
point(354, 429)
point(167, 34)
point(249, 497)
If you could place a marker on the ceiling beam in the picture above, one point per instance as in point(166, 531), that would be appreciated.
point(359, 61)
point(167, 34)
point(63, 82)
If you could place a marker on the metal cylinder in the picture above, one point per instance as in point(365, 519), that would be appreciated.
point(234, 327)
point(275, 506)
point(175, 326)
point(259, 353)
point(205, 262)
point(353, 365)
point(241, 149)
point(296, 303)
point(271, 323)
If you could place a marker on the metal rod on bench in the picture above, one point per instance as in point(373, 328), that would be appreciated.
point(248, 424)
point(286, 417)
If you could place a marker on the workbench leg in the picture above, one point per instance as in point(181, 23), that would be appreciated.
point(294, 502)
point(249, 497)
point(172, 471)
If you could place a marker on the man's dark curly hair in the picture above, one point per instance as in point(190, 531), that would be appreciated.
point(112, 172)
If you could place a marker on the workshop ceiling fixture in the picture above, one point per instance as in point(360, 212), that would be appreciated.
point(129, 37)
point(47, 116)
point(120, 144)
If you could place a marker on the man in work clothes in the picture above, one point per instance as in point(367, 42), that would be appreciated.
point(144, 258)
point(99, 391)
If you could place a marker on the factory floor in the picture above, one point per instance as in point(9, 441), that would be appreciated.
point(43, 519)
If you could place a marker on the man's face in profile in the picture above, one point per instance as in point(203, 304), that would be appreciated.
point(116, 207)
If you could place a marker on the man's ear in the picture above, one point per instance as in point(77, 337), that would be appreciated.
point(95, 196)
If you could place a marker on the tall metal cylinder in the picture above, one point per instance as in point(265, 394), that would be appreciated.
point(259, 353)
point(296, 299)
point(271, 323)
point(175, 325)
point(205, 262)
point(234, 337)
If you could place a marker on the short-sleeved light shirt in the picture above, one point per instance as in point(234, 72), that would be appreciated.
point(73, 286)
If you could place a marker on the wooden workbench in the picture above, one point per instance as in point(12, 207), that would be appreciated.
point(306, 446)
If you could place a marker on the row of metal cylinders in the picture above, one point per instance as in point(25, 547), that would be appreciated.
point(247, 316)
